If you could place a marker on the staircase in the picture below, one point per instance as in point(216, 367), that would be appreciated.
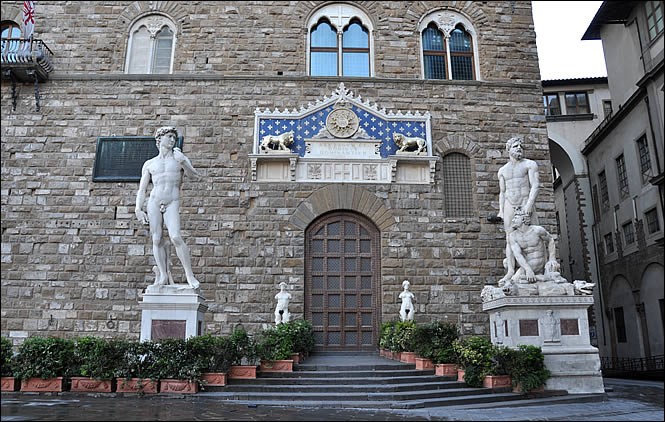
point(356, 380)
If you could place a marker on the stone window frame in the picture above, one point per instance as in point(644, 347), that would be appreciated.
point(644, 157)
point(651, 219)
point(154, 22)
point(470, 181)
point(628, 229)
point(446, 21)
point(339, 16)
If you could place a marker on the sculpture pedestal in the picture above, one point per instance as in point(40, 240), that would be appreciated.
point(171, 311)
point(560, 326)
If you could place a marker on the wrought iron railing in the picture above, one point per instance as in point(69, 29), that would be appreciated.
point(652, 363)
point(20, 51)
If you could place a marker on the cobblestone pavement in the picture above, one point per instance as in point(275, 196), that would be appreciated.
point(629, 400)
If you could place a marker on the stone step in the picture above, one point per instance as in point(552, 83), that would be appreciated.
point(352, 396)
point(370, 404)
point(276, 380)
point(337, 388)
point(338, 367)
point(346, 373)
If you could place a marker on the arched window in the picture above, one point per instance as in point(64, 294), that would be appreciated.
point(434, 53)
point(457, 185)
point(151, 45)
point(340, 42)
point(11, 34)
point(449, 47)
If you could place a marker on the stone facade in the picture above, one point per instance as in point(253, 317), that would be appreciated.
point(74, 257)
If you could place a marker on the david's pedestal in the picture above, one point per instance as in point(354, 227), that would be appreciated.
point(171, 311)
point(559, 325)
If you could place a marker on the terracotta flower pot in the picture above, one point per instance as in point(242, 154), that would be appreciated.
point(10, 384)
point(243, 371)
point(407, 357)
point(446, 369)
point(173, 386)
point(424, 364)
point(397, 356)
point(497, 381)
point(213, 379)
point(132, 385)
point(89, 385)
point(276, 366)
point(40, 385)
point(460, 375)
point(295, 357)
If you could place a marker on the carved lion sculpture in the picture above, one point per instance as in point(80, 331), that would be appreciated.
point(582, 287)
point(406, 142)
point(280, 141)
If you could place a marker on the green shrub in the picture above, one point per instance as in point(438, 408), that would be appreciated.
point(446, 355)
point(275, 343)
point(214, 353)
point(45, 357)
point(404, 337)
point(177, 359)
point(138, 360)
point(98, 358)
point(387, 333)
point(527, 368)
point(244, 348)
point(475, 357)
point(7, 358)
point(501, 360)
point(303, 336)
point(431, 339)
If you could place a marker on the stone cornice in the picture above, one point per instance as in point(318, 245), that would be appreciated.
point(530, 301)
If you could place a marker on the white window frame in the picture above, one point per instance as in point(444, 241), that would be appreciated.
point(446, 21)
point(340, 15)
point(154, 23)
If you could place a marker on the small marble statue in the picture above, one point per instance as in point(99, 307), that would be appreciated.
point(551, 328)
point(282, 310)
point(535, 250)
point(280, 142)
point(163, 209)
point(407, 310)
point(499, 328)
point(411, 145)
point(518, 184)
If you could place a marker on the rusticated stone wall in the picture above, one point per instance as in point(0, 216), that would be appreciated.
point(73, 254)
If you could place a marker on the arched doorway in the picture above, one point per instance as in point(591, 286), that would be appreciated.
point(342, 281)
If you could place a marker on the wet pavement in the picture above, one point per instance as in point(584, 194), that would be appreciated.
point(626, 400)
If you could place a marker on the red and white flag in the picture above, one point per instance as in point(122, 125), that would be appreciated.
point(28, 19)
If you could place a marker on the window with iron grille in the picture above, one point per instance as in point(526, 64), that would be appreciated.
point(645, 158)
point(457, 185)
point(577, 103)
point(607, 107)
point(652, 220)
point(609, 243)
point(552, 106)
point(622, 177)
point(604, 193)
point(628, 232)
point(434, 53)
point(448, 50)
point(654, 11)
point(121, 158)
point(620, 324)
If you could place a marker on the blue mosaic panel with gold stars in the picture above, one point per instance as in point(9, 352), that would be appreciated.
point(371, 126)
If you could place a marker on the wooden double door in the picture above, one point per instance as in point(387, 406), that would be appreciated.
point(342, 281)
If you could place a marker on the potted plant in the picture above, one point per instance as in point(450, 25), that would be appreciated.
point(474, 357)
point(136, 371)
point(445, 362)
point(44, 363)
point(386, 338)
point(527, 369)
point(497, 374)
point(216, 356)
point(302, 338)
point(244, 355)
point(96, 361)
point(274, 348)
point(404, 338)
point(431, 339)
point(9, 382)
point(178, 366)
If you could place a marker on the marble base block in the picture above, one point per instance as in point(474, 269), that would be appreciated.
point(560, 326)
point(173, 311)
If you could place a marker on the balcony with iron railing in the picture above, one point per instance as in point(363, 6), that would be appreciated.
point(25, 61)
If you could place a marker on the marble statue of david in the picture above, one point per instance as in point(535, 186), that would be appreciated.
point(163, 209)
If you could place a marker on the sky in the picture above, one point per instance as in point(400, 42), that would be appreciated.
point(562, 54)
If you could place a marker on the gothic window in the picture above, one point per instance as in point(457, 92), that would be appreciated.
point(340, 42)
point(449, 46)
point(457, 185)
point(11, 39)
point(151, 45)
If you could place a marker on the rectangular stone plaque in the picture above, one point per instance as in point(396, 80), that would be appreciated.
point(570, 327)
point(528, 327)
point(167, 328)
